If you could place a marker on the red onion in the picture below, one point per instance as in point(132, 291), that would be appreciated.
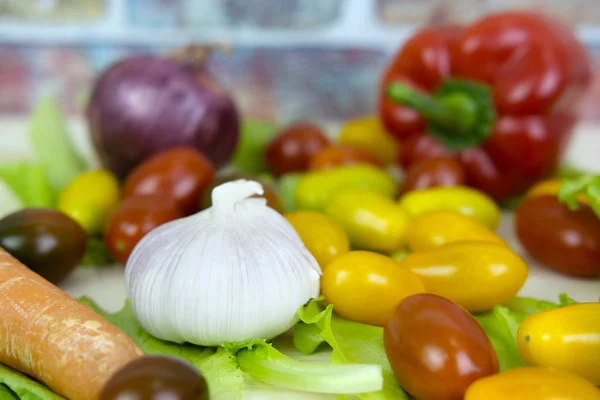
point(145, 104)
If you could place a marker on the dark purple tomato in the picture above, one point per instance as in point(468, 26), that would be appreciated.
point(565, 240)
point(293, 148)
point(436, 348)
point(156, 378)
point(47, 241)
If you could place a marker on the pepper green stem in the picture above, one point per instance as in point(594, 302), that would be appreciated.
point(428, 106)
point(453, 112)
point(266, 364)
point(460, 113)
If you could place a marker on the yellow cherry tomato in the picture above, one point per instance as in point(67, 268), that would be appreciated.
point(315, 189)
point(567, 338)
point(366, 287)
point(371, 220)
point(532, 383)
point(551, 187)
point(321, 235)
point(475, 275)
point(462, 199)
point(370, 135)
point(90, 199)
point(437, 228)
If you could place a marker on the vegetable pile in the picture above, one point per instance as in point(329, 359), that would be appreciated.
point(378, 243)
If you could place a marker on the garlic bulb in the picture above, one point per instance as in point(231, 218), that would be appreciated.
point(236, 271)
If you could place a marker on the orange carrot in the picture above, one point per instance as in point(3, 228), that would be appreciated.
point(50, 336)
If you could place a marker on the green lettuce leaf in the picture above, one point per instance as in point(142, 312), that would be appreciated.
point(28, 181)
point(501, 326)
point(588, 185)
point(307, 338)
point(351, 342)
point(249, 153)
point(52, 144)
point(526, 306)
point(6, 393)
point(219, 366)
point(266, 364)
point(15, 385)
point(96, 253)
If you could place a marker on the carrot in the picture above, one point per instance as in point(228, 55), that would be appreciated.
point(50, 336)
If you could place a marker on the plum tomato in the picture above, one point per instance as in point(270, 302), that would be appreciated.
point(533, 383)
point(181, 173)
point(134, 218)
point(90, 199)
point(565, 240)
point(437, 228)
point(566, 338)
point(366, 287)
point(432, 172)
point(370, 135)
point(292, 149)
point(476, 275)
point(466, 200)
point(321, 235)
point(315, 189)
point(436, 348)
point(372, 220)
point(270, 193)
point(156, 377)
point(331, 157)
point(47, 241)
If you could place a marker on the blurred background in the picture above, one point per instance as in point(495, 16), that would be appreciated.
point(292, 59)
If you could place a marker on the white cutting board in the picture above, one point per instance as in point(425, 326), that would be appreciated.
point(105, 284)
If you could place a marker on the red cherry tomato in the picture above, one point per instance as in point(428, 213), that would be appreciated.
point(331, 157)
point(420, 147)
point(292, 149)
point(134, 218)
point(436, 348)
point(180, 173)
point(432, 172)
point(566, 240)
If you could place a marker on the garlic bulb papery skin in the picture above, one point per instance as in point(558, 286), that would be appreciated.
point(236, 271)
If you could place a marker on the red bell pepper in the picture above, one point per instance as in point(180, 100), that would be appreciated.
point(501, 96)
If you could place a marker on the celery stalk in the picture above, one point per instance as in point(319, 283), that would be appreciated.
point(9, 201)
point(28, 182)
point(53, 147)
